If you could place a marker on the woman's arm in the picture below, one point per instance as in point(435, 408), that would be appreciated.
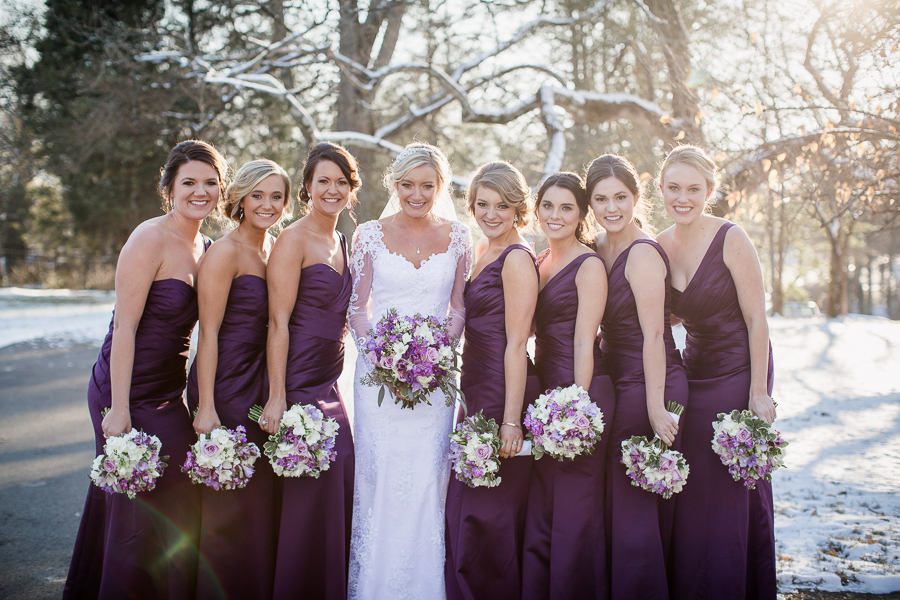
point(283, 282)
point(520, 289)
point(213, 285)
point(138, 264)
point(592, 285)
point(741, 259)
point(457, 310)
point(646, 273)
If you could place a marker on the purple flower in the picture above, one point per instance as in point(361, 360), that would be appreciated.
point(209, 448)
point(484, 451)
point(582, 422)
point(432, 355)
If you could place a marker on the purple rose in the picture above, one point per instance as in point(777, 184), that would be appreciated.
point(582, 422)
point(372, 357)
point(667, 463)
point(209, 448)
point(744, 435)
point(109, 465)
point(387, 362)
point(484, 451)
point(432, 356)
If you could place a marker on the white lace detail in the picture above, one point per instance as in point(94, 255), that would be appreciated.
point(402, 471)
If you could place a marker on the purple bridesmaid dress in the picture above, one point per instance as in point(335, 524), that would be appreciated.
point(146, 547)
point(485, 526)
point(641, 522)
point(314, 536)
point(566, 555)
point(721, 548)
point(237, 534)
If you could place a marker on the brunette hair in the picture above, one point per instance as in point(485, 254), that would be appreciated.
point(619, 167)
point(507, 181)
point(245, 181)
point(338, 155)
point(185, 152)
point(573, 183)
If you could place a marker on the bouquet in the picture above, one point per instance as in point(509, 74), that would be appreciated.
point(130, 463)
point(475, 451)
point(654, 467)
point(222, 459)
point(563, 423)
point(411, 357)
point(304, 443)
point(748, 446)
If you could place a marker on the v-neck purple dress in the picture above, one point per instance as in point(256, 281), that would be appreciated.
point(146, 547)
point(566, 554)
point(485, 526)
point(314, 535)
point(237, 535)
point(641, 522)
point(723, 539)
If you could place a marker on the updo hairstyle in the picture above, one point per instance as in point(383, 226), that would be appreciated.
point(338, 155)
point(572, 182)
point(619, 167)
point(700, 160)
point(413, 156)
point(185, 152)
point(506, 180)
point(245, 181)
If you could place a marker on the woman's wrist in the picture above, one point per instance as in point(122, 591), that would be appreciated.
point(511, 424)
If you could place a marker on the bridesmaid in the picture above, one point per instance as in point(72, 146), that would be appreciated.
point(640, 352)
point(147, 547)
point(565, 538)
point(237, 536)
point(720, 548)
point(485, 525)
point(309, 292)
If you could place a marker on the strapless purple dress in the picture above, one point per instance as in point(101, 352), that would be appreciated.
point(314, 535)
point(485, 526)
point(641, 522)
point(566, 554)
point(237, 535)
point(146, 547)
point(720, 548)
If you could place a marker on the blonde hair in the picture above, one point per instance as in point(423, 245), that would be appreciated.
point(245, 181)
point(507, 181)
point(413, 156)
point(696, 157)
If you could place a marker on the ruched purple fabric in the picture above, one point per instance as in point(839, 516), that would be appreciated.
point(723, 540)
point(237, 535)
point(485, 526)
point(146, 547)
point(314, 535)
point(641, 521)
point(566, 554)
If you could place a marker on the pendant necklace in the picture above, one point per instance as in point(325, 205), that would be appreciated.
point(418, 250)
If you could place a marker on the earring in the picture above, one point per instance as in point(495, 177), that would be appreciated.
point(516, 220)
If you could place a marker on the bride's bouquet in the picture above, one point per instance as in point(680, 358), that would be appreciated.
point(654, 467)
point(475, 451)
point(130, 463)
point(411, 357)
point(563, 423)
point(222, 459)
point(303, 446)
point(750, 448)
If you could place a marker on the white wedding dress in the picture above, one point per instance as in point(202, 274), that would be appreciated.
point(402, 470)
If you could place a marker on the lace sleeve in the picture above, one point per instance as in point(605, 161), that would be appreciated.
point(365, 242)
point(461, 247)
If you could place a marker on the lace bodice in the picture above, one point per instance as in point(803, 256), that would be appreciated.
point(383, 280)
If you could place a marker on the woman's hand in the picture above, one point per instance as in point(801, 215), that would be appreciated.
point(763, 407)
point(206, 420)
point(511, 438)
point(271, 417)
point(663, 425)
point(116, 422)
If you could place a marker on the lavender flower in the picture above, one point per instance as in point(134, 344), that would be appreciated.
point(750, 448)
point(130, 464)
point(475, 451)
point(222, 459)
point(563, 423)
point(304, 443)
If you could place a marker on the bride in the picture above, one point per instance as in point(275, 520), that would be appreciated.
point(415, 259)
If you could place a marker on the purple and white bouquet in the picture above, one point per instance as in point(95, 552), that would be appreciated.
point(222, 459)
point(412, 357)
point(475, 451)
point(303, 446)
point(130, 464)
point(563, 423)
point(654, 467)
point(750, 448)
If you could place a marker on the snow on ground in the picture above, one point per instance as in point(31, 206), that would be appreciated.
point(837, 383)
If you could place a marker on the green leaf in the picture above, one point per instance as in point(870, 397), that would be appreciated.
point(380, 396)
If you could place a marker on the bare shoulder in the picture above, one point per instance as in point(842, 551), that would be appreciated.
point(738, 247)
point(224, 249)
point(644, 256)
point(518, 258)
point(148, 240)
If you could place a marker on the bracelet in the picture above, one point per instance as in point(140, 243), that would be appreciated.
point(511, 425)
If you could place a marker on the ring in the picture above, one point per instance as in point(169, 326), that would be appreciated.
point(263, 422)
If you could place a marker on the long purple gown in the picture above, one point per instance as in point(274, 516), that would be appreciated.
point(314, 536)
point(237, 534)
point(146, 547)
point(720, 548)
point(485, 526)
point(641, 522)
point(566, 554)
